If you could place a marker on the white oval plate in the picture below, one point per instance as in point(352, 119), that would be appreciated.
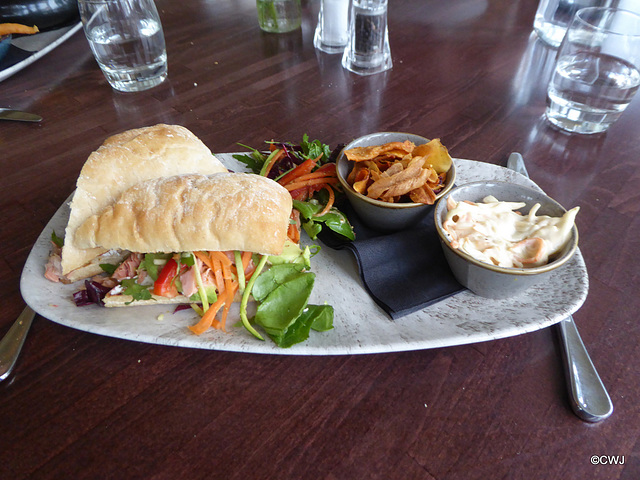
point(360, 326)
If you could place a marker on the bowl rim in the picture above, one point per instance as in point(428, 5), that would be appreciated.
point(558, 262)
point(451, 177)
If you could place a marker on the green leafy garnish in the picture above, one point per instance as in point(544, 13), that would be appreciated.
point(187, 259)
point(333, 219)
point(279, 310)
point(137, 291)
point(58, 241)
point(148, 263)
point(108, 268)
point(254, 161)
point(315, 148)
point(273, 278)
point(284, 313)
point(314, 317)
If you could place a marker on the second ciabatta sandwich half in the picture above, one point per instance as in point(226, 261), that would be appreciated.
point(189, 235)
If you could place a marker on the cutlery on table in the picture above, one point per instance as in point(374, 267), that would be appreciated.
point(12, 342)
point(18, 116)
point(588, 396)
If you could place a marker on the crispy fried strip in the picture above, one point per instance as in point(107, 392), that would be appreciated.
point(11, 28)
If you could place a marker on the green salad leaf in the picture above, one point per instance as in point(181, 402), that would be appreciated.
point(333, 219)
point(137, 291)
point(149, 263)
point(108, 268)
point(58, 241)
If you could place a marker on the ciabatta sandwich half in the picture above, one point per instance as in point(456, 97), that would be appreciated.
point(122, 161)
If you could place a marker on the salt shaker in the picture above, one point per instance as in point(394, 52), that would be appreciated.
point(332, 32)
point(367, 51)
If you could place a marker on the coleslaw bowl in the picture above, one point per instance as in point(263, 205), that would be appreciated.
point(492, 281)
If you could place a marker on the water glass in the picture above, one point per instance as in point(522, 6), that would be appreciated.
point(127, 41)
point(553, 17)
point(368, 51)
point(597, 70)
point(279, 16)
point(332, 32)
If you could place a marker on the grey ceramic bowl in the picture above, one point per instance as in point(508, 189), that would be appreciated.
point(385, 216)
point(489, 280)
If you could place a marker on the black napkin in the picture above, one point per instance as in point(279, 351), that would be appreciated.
point(402, 271)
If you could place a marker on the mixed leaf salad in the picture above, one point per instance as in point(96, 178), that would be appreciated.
point(308, 171)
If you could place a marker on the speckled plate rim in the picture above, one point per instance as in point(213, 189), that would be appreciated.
point(361, 327)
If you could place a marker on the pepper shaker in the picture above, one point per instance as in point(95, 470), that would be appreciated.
point(368, 51)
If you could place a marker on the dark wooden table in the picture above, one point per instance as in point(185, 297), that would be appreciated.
point(471, 72)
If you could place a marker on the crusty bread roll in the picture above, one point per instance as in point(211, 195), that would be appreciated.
point(122, 161)
point(219, 212)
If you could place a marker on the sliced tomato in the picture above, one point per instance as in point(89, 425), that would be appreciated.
point(165, 285)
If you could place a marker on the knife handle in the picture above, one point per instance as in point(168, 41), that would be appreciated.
point(12, 342)
point(589, 398)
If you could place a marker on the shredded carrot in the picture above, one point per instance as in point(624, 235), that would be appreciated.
point(231, 286)
point(221, 257)
point(208, 319)
point(273, 161)
point(329, 204)
point(218, 275)
point(314, 181)
point(305, 167)
point(204, 258)
point(314, 175)
point(246, 258)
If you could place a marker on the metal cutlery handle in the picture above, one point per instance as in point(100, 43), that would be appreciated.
point(12, 342)
point(588, 395)
point(8, 114)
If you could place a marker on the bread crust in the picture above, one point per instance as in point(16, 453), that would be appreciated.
point(218, 212)
point(122, 161)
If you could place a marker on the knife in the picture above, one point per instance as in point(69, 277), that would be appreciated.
point(12, 342)
point(588, 396)
point(8, 114)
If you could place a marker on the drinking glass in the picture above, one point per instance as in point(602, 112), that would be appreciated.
point(279, 16)
point(553, 17)
point(127, 41)
point(596, 73)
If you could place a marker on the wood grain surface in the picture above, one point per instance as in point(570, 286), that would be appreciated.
point(471, 72)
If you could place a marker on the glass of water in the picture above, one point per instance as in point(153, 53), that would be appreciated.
point(597, 70)
point(367, 51)
point(127, 41)
point(553, 17)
